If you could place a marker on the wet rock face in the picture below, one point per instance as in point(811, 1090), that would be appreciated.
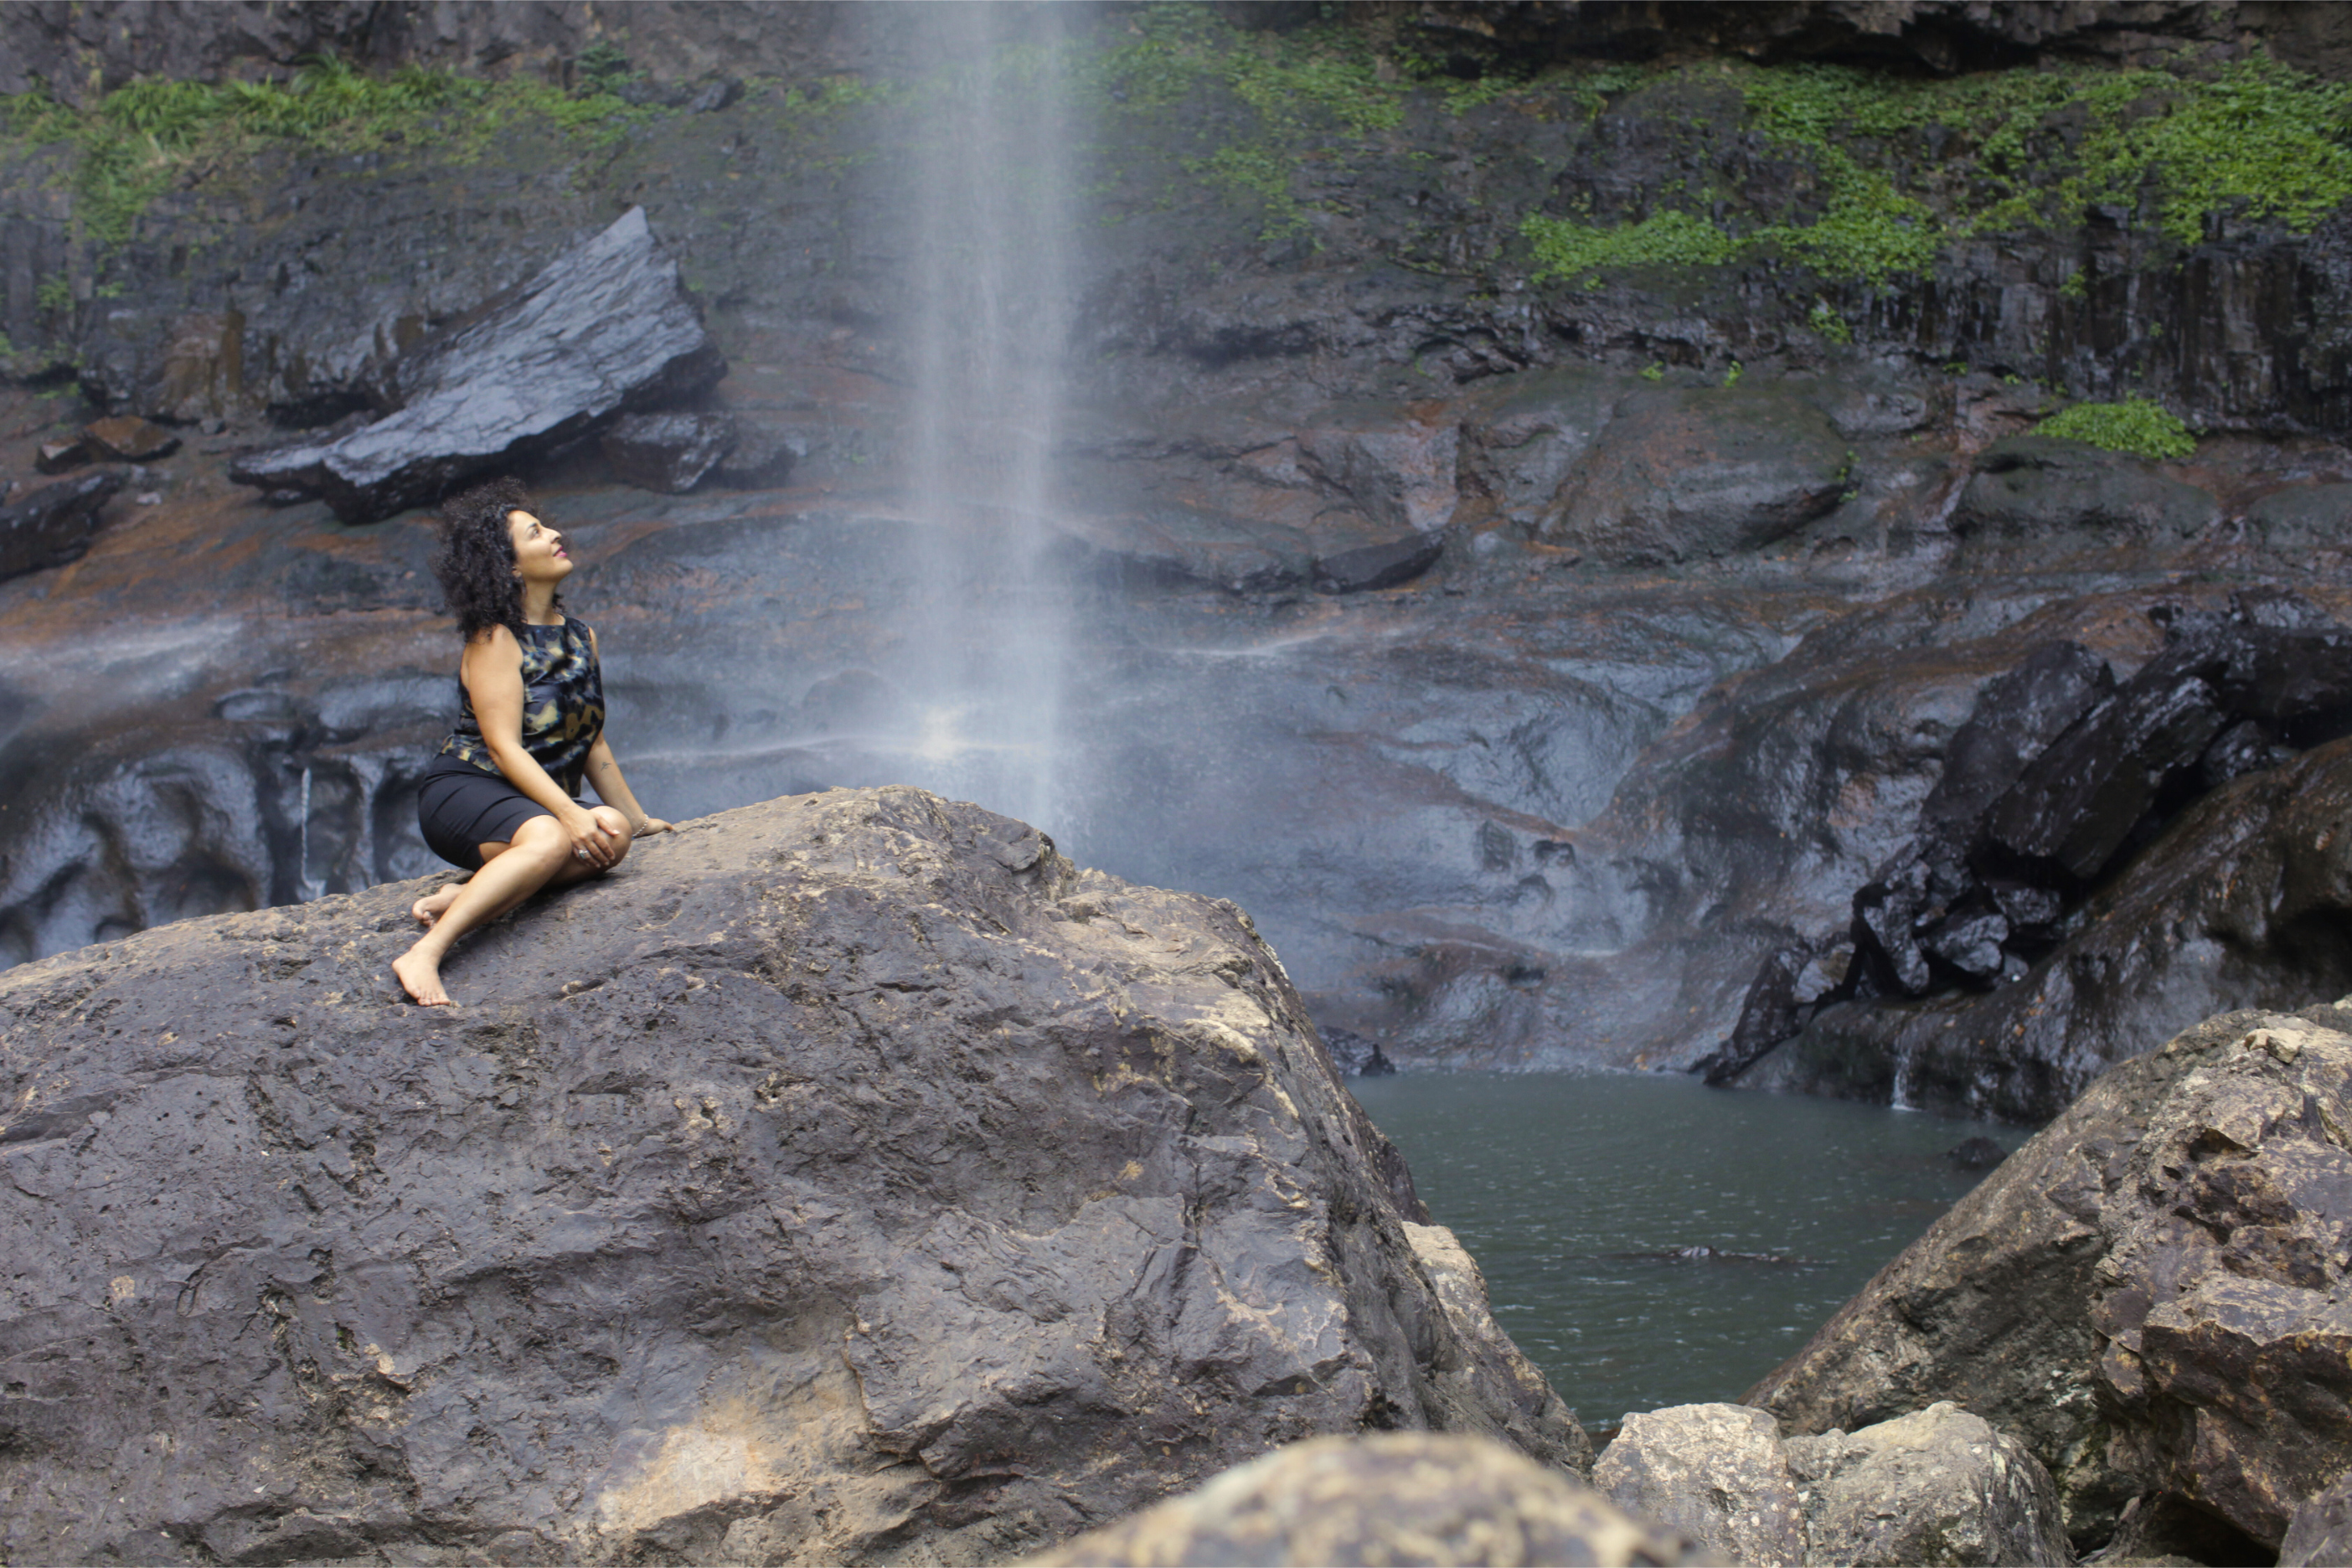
point(1395, 1498)
point(604, 328)
point(2150, 1294)
point(1937, 1486)
point(848, 1172)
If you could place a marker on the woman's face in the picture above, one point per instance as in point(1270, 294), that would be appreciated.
point(539, 549)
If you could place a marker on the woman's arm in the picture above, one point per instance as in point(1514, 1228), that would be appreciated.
point(605, 772)
point(492, 672)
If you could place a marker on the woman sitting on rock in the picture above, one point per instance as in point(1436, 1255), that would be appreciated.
point(497, 800)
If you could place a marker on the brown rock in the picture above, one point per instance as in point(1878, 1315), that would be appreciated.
point(125, 438)
point(1716, 1473)
point(1394, 1499)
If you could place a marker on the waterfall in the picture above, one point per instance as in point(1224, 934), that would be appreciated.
point(985, 639)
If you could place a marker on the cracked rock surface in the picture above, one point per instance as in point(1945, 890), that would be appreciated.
point(848, 1175)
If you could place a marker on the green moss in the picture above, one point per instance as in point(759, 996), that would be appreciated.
point(1903, 167)
point(2136, 426)
point(1567, 248)
point(135, 142)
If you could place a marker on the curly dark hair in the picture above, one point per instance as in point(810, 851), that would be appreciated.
point(475, 562)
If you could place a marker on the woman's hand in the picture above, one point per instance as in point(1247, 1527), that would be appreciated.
point(650, 824)
point(592, 841)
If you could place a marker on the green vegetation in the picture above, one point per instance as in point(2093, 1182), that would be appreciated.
point(2255, 143)
point(1292, 90)
point(2136, 426)
point(128, 149)
point(1828, 325)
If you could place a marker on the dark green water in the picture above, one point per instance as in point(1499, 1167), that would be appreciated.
point(1578, 1194)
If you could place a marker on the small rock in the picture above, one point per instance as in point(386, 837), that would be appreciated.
point(1358, 1056)
point(149, 498)
point(57, 456)
point(128, 439)
point(1394, 1498)
point(761, 458)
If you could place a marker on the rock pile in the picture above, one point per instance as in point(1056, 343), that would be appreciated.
point(849, 1175)
point(52, 526)
point(2152, 1296)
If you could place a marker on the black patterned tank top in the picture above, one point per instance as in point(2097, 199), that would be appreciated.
point(562, 706)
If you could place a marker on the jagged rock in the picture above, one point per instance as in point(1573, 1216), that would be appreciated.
point(602, 330)
point(2151, 1294)
point(667, 452)
point(2039, 489)
point(1937, 1486)
point(53, 525)
point(1699, 473)
point(1393, 1500)
point(128, 439)
point(1714, 1474)
point(847, 1176)
point(2232, 906)
point(1375, 566)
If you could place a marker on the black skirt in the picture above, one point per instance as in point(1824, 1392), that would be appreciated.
point(461, 808)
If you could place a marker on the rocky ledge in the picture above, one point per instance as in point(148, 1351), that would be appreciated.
point(849, 1176)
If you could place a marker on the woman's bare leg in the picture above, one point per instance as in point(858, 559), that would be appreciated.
point(539, 857)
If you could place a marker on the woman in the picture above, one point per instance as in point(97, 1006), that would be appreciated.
point(497, 800)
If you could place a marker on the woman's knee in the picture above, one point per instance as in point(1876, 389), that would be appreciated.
point(618, 826)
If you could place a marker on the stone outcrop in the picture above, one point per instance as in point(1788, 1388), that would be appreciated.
point(847, 1176)
point(1937, 1486)
point(2150, 1295)
point(603, 330)
point(1398, 1499)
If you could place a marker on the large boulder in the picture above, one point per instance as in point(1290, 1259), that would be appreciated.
point(848, 1175)
point(1937, 1486)
point(1397, 1499)
point(1697, 473)
point(54, 524)
point(2151, 1295)
point(603, 330)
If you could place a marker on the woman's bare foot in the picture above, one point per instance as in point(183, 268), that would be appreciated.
point(429, 908)
point(421, 978)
